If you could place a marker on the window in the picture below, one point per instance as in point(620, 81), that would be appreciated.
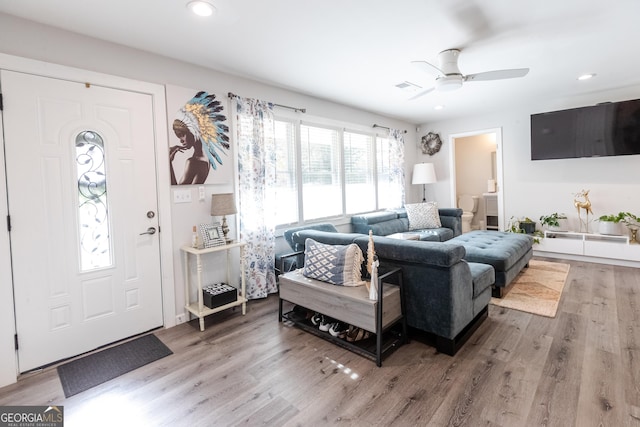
point(326, 172)
point(286, 172)
point(360, 188)
point(93, 214)
point(390, 161)
point(321, 172)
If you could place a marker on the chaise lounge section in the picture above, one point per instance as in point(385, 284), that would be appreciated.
point(507, 253)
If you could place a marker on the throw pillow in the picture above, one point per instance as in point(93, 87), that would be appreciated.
point(423, 215)
point(336, 264)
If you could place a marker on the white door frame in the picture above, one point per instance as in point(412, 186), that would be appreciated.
point(8, 361)
point(452, 167)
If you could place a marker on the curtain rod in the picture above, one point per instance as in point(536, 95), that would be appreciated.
point(297, 110)
point(384, 127)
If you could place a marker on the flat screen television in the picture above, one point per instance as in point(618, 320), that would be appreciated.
point(609, 129)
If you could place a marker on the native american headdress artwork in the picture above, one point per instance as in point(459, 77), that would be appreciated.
point(203, 118)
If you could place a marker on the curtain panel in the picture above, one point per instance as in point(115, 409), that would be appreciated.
point(256, 193)
point(396, 162)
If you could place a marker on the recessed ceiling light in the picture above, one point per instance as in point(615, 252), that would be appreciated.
point(586, 76)
point(438, 107)
point(201, 8)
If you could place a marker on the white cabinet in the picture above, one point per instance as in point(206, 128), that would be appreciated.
point(598, 247)
point(491, 210)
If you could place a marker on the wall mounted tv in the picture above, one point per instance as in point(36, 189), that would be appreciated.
point(609, 129)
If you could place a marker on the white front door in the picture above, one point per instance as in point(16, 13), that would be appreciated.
point(82, 199)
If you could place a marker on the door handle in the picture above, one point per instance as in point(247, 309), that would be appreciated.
point(150, 230)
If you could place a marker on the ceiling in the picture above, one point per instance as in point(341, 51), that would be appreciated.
point(354, 52)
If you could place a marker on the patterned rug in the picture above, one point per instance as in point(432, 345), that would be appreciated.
point(536, 289)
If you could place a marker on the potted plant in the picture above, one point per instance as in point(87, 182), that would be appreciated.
point(610, 224)
point(555, 221)
point(525, 226)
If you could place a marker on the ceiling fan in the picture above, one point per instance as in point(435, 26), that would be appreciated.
point(449, 77)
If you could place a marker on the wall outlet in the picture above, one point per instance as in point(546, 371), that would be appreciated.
point(182, 196)
point(181, 318)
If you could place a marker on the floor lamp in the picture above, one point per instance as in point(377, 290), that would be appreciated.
point(423, 173)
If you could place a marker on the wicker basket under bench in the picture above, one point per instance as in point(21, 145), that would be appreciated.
point(383, 317)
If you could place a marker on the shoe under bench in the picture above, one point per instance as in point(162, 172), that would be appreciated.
point(383, 317)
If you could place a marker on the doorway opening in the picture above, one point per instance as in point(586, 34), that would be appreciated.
point(476, 165)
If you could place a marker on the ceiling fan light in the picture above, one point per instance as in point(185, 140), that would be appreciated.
point(449, 83)
point(201, 8)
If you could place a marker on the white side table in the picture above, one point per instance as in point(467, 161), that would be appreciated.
point(198, 308)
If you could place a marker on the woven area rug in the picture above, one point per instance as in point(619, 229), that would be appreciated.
point(536, 289)
point(89, 371)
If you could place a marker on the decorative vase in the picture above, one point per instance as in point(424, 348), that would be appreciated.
point(563, 225)
point(373, 287)
point(610, 228)
point(634, 235)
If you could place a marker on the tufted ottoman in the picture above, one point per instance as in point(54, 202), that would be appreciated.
point(508, 253)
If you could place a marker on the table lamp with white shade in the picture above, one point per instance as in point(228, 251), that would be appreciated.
point(423, 173)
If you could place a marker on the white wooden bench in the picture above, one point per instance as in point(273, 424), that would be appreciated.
point(350, 305)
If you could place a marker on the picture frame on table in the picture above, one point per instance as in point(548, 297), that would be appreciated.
point(212, 235)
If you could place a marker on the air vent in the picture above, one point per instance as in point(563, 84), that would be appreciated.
point(408, 86)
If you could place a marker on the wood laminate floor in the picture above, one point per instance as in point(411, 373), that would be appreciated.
point(581, 368)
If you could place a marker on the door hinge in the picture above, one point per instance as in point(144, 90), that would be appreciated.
point(15, 338)
point(8, 223)
point(1, 103)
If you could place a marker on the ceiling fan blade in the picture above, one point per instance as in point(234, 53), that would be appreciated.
point(423, 93)
point(427, 68)
point(497, 75)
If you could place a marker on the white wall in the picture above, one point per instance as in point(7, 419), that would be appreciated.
point(534, 188)
point(30, 40)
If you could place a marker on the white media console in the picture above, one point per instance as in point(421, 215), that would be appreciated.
point(600, 248)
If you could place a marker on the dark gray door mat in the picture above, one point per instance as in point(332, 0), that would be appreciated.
point(89, 371)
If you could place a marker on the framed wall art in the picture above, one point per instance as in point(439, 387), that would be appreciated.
point(200, 150)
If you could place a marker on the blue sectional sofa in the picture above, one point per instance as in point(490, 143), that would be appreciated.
point(508, 253)
point(446, 297)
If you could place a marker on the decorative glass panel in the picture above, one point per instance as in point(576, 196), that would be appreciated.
point(93, 214)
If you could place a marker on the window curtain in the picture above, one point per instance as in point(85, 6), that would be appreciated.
point(396, 162)
point(256, 188)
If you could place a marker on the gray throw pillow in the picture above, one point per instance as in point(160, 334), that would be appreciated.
point(423, 216)
point(336, 264)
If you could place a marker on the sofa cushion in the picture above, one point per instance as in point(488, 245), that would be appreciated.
point(336, 264)
point(441, 234)
point(423, 216)
point(500, 249)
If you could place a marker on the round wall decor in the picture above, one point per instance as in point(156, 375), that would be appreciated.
point(431, 143)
